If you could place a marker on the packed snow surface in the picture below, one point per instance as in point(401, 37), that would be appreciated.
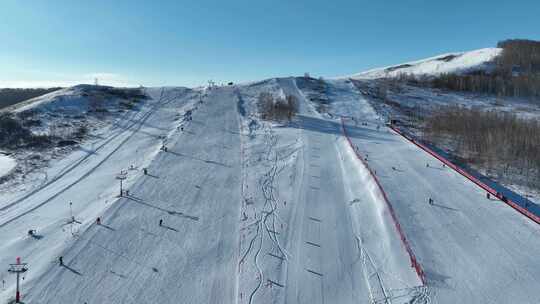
point(447, 63)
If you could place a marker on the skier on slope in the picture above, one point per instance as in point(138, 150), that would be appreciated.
point(430, 201)
point(61, 260)
point(160, 222)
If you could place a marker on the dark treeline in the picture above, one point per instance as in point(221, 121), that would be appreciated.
point(512, 86)
point(501, 142)
point(521, 56)
point(516, 73)
point(10, 97)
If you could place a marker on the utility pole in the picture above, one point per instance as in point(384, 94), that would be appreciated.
point(121, 176)
point(18, 268)
point(71, 217)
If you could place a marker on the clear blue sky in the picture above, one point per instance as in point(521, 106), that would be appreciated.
point(188, 42)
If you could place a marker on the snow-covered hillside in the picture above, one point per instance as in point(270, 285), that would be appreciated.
point(42, 131)
point(222, 206)
point(412, 100)
point(460, 62)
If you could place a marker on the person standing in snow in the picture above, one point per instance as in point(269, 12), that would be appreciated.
point(61, 260)
point(98, 221)
point(160, 222)
point(430, 201)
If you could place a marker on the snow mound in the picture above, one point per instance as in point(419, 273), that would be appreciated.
point(7, 164)
point(462, 62)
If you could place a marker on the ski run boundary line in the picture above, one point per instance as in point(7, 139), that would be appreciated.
point(535, 218)
point(414, 262)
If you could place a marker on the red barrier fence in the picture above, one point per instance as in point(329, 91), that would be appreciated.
point(473, 179)
point(414, 261)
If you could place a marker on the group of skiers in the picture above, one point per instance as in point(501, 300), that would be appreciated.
point(32, 232)
point(98, 222)
point(488, 195)
point(443, 165)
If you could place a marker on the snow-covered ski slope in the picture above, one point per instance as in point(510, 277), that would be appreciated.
point(471, 247)
point(315, 229)
point(446, 63)
point(194, 188)
point(263, 212)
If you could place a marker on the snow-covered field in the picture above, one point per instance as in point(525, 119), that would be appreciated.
point(260, 212)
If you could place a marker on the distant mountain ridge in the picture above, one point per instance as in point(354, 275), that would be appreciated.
point(458, 63)
point(11, 96)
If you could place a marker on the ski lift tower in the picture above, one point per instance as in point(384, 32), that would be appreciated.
point(121, 176)
point(18, 268)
